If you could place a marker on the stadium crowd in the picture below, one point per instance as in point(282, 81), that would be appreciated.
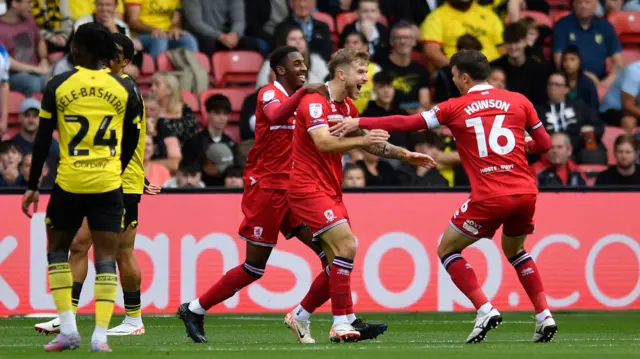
point(199, 64)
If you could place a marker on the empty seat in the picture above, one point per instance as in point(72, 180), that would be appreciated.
point(540, 17)
point(190, 99)
point(15, 99)
point(237, 67)
point(627, 26)
point(163, 63)
point(326, 18)
point(147, 70)
point(344, 19)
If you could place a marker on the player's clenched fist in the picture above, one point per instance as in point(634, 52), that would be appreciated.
point(374, 137)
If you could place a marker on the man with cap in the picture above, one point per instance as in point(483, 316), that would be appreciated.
point(29, 120)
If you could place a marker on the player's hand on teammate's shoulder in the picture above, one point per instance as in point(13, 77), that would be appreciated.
point(420, 159)
point(317, 88)
point(527, 139)
point(344, 126)
point(374, 137)
point(152, 189)
point(30, 197)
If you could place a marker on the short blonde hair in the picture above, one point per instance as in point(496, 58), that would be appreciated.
point(171, 82)
point(344, 57)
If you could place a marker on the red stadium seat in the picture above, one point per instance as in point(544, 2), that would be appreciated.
point(344, 19)
point(559, 15)
point(37, 96)
point(190, 99)
point(233, 130)
point(609, 137)
point(12, 130)
point(204, 61)
point(559, 4)
point(629, 55)
point(540, 17)
point(164, 64)
point(55, 56)
point(147, 70)
point(326, 18)
point(236, 97)
point(15, 99)
point(627, 25)
point(236, 67)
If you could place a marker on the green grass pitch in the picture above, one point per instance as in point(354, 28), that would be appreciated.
point(581, 335)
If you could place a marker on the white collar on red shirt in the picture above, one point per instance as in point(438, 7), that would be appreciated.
point(480, 87)
point(280, 87)
point(329, 90)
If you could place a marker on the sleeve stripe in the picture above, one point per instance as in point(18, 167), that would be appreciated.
point(45, 114)
point(535, 126)
point(430, 118)
point(269, 103)
point(317, 126)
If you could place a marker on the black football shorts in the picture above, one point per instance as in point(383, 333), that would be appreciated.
point(131, 202)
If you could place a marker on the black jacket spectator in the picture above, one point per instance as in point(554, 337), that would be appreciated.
point(374, 110)
point(444, 88)
point(408, 175)
point(611, 177)
point(248, 117)
point(549, 177)
point(586, 91)
point(386, 174)
point(317, 34)
point(380, 45)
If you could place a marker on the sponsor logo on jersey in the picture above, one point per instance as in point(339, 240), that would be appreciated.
point(257, 232)
point(315, 110)
point(91, 164)
point(527, 271)
point(329, 215)
point(472, 227)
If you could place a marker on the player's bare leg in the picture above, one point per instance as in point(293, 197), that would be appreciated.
point(105, 249)
point(341, 243)
point(529, 276)
point(319, 293)
point(78, 262)
point(130, 279)
point(60, 282)
point(464, 277)
point(192, 314)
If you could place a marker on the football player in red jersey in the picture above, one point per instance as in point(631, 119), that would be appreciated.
point(264, 203)
point(315, 193)
point(489, 127)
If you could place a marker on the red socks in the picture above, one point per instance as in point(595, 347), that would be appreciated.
point(232, 281)
point(340, 286)
point(530, 279)
point(319, 293)
point(464, 277)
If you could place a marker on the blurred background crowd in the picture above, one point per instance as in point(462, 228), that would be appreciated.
point(200, 63)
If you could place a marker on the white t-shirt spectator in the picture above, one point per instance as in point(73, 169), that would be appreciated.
point(5, 61)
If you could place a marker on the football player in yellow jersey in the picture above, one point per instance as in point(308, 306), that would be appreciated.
point(133, 184)
point(96, 114)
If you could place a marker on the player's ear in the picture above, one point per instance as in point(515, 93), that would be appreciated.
point(280, 70)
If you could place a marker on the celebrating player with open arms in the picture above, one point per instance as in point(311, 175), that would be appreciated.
point(96, 114)
point(315, 193)
point(489, 127)
point(133, 185)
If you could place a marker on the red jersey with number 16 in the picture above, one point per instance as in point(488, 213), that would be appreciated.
point(269, 160)
point(313, 170)
point(489, 126)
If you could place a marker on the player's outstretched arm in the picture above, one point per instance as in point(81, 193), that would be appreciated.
point(328, 143)
point(540, 141)
point(280, 112)
point(387, 150)
point(394, 123)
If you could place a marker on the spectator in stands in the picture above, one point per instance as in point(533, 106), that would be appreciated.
point(83, 8)
point(158, 25)
point(368, 24)
point(414, 11)
point(219, 25)
point(153, 171)
point(294, 36)
point(377, 172)
point(233, 177)
point(411, 78)
point(621, 104)
point(248, 117)
point(25, 169)
point(29, 120)
point(384, 105)
point(444, 87)
point(428, 143)
point(357, 40)
point(580, 85)
point(315, 32)
point(353, 176)
point(195, 150)
point(442, 28)
point(560, 171)
point(262, 17)
point(594, 36)
point(105, 14)
point(188, 176)
point(536, 37)
point(175, 124)
point(63, 64)
point(217, 158)
point(20, 35)
point(625, 172)
point(4, 90)
point(607, 7)
point(497, 78)
point(574, 118)
point(524, 74)
point(55, 23)
point(336, 7)
point(151, 105)
point(9, 164)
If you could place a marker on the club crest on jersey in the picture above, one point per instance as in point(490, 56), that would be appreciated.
point(329, 215)
point(257, 232)
point(315, 110)
point(268, 95)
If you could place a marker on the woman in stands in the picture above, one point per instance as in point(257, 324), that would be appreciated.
point(176, 121)
point(316, 66)
point(580, 85)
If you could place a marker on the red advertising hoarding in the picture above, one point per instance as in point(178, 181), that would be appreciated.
point(586, 246)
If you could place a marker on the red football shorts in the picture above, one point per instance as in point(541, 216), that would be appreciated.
point(266, 212)
point(318, 211)
point(482, 219)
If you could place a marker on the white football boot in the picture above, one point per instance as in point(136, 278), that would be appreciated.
point(50, 327)
point(300, 328)
point(128, 326)
point(343, 332)
point(483, 324)
point(545, 330)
